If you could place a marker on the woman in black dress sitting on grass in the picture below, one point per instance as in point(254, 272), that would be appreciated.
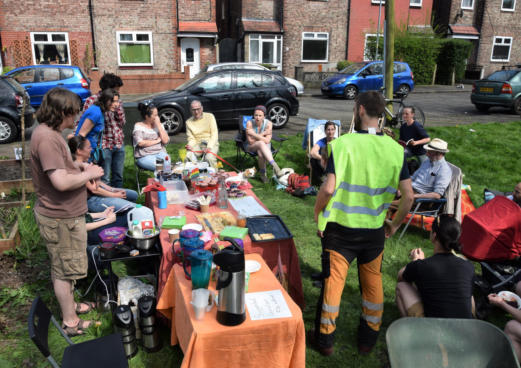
point(441, 285)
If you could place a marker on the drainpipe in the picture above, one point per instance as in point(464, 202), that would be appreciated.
point(91, 10)
point(348, 20)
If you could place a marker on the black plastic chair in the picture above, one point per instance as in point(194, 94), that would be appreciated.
point(106, 351)
point(241, 143)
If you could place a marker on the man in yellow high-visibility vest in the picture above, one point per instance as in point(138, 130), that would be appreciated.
point(364, 171)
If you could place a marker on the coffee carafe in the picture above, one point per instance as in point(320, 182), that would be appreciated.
point(231, 310)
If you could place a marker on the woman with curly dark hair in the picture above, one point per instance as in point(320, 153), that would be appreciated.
point(441, 285)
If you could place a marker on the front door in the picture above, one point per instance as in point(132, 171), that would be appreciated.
point(190, 55)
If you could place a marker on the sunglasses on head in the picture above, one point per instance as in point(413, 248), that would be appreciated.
point(149, 104)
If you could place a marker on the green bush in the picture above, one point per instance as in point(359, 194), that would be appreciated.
point(420, 53)
point(5, 69)
point(343, 64)
point(452, 57)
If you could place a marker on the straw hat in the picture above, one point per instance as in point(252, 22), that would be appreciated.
point(438, 145)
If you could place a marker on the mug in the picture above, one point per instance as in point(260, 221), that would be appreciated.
point(200, 267)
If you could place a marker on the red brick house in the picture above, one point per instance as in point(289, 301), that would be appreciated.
point(363, 22)
point(310, 34)
point(493, 26)
point(147, 44)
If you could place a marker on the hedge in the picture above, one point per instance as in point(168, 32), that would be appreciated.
point(453, 54)
point(423, 53)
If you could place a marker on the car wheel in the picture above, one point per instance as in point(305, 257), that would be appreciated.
point(482, 108)
point(350, 92)
point(293, 90)
point(278, 114)
point(517, 106)
point(8, 131)
point(403, 90)
point(172, 120)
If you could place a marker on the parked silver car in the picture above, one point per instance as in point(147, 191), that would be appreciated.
point(299, 88)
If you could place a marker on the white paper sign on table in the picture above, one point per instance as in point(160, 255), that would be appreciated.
point(267, 305)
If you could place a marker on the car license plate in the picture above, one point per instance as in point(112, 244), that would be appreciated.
point(486, 89)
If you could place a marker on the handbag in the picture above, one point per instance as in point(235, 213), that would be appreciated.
point(97, 157)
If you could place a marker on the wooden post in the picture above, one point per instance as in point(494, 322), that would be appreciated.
point(23, 147)
point(389, 50)
point(434, 74)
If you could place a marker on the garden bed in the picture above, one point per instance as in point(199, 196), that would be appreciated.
point(11, 176)
point(9, 234)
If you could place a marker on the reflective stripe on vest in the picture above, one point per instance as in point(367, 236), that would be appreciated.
point(367, 172)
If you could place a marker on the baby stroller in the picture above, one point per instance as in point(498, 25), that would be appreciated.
point(491, 235)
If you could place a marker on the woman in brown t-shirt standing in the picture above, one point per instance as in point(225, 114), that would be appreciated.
point(62, 202)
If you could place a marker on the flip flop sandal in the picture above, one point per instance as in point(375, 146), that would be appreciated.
point(77, 330)
point(90, 306)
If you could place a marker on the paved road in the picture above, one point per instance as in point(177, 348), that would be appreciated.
point(443, 108)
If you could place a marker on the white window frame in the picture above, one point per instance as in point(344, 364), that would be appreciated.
point(315, 37)
point(259, 37)
point(134, 41)
point(49, 36)
point(415, 3)
point(365, 44)
point(494, 43)
point(507, 9)
point(471, 7)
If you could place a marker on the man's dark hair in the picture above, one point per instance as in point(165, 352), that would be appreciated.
point(110, 80)
point(105, 97)
point(373, 103)
point(413, 110)
point(328, 123)
point(57, 104)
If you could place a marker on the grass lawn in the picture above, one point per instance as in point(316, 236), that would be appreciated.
point(488, 154)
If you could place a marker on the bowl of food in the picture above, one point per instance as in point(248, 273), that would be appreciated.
point(143, 243)
point(510, 298)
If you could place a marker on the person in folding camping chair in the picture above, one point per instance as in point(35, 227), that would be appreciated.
point(258, 136)
point(318, 153)
point(202, 135)
point(364, 171)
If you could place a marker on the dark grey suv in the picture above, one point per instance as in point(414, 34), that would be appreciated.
point(12, 95)
point(229, 94)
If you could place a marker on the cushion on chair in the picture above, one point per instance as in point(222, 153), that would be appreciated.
point(106, 351)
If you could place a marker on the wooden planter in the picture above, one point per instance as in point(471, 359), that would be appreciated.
point(14, 181)
point(12, 241)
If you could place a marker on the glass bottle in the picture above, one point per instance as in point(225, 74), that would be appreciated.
point(222, 200)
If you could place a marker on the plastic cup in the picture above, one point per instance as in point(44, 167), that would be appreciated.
point(204, 208)
point(173, 234)
point(200, 302)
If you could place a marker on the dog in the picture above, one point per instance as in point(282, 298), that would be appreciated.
point(249, 173)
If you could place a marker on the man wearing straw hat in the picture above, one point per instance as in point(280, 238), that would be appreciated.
point(364, 171)
point(433, 177)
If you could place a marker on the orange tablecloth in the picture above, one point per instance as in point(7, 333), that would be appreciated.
point(268, 250)
point(278, 342)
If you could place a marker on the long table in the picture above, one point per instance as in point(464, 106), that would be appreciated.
point(277, 342)
point(277, 254)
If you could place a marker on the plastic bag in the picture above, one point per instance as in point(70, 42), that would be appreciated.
point(131, 289)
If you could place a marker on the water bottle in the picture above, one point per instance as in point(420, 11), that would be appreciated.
point(222, 200)
point(167, 165)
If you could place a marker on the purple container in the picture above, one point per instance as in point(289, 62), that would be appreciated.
point(114, 235)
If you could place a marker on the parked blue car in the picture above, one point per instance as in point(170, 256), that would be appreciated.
point(361, 77)
point(38, 79)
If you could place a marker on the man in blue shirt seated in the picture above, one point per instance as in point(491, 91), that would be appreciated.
point(433, 177)
point(413, 135)
point(319, 151)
